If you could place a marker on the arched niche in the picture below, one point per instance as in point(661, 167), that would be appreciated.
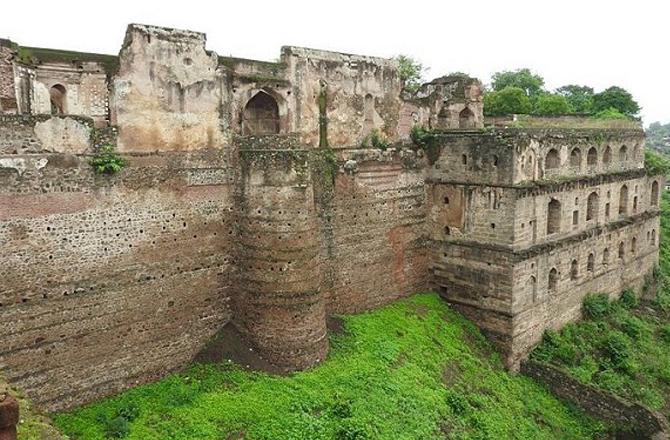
point(57, 95)
point(262, 114)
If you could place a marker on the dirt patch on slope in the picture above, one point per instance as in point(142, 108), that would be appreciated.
point(228, 344)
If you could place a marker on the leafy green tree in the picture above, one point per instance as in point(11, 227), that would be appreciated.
point(411, 72)
point(524, 79)
point(617, 98)
point(610, 113)
point(580, 98)
point(551, 104)
point(507, 101)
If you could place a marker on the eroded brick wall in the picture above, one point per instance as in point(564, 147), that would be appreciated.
point(376, 251)
point(111, 281)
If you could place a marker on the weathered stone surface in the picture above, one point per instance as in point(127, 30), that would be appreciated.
point(249, 198)
point(644, 422)
point(63, 135)
point(166, 92)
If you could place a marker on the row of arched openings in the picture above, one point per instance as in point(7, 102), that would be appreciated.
point(552, 276)
point(592, 207)
point(552, 159)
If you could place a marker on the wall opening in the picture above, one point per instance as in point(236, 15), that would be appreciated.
point(634, 204)
point(464, 159)
point(552, 160)
point(623, 200)
point(633, 245)
point(654, 193)
point(621, 250)
point(58, 102)
point(575, 218)
point(590, 263)
point(607, 211)
point(592, 206)
point(607, 156)
point(553, 217)
point(443, 118)
point(369, 111)
point(466, 119)
point(261, 115)
point(552, 280)
point(532, 288)
point(623, 154)
point(606, 257)
point(574, 270)
point(575, 157)
point(653, 237)
point(592, 157)
point(494, 160)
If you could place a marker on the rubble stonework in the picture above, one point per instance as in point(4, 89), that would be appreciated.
point(250, 197)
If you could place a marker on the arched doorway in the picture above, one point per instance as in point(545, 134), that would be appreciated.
point(58, 102)
point(466, 119)
point(261, 115)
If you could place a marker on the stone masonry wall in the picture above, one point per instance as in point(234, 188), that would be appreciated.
point(7, 92)
point(279, 303)
point(86, 307)
point(642, 421)
point(376, 251)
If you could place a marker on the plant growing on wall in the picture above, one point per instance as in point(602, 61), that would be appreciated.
point(107, 161)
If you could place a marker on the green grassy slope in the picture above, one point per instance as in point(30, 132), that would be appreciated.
point(623, 347)
point(410, 370)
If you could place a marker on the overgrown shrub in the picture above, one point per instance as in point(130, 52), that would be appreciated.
point(628, 299)
point(107, 161)
point(616, 347)
point(596, 306)
point(117, 427)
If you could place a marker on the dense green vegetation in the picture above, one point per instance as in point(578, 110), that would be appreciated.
point(622, 346)
point(522, 91)
point(410, 370)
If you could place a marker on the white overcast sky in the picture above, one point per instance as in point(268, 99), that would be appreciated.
point(595, 43)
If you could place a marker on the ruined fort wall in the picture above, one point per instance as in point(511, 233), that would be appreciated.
point(536, 305)
point(373, 244)
point(85, 85)
point(7, 91)
point(611, 202)
point(507, 293)
point(279, 303)
point(166, 94)
point(567, 153)
point(363, 93)
point(110, 281)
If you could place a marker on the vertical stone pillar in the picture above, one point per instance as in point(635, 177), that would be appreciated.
point(279, 305)
point(9, 416)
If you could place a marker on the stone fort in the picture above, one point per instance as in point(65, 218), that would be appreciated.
point(252, 196)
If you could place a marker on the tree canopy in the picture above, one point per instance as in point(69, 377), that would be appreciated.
point(411, 72)
point(507, 101)
point(617, 98)
point(580, 98)
point(503, 97)
point(524, 79)
point(551, 104)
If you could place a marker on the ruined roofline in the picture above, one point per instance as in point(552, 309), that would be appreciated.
point(166, 32)
point(335, 56)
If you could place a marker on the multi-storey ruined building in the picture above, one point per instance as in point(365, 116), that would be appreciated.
point(254, 195)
